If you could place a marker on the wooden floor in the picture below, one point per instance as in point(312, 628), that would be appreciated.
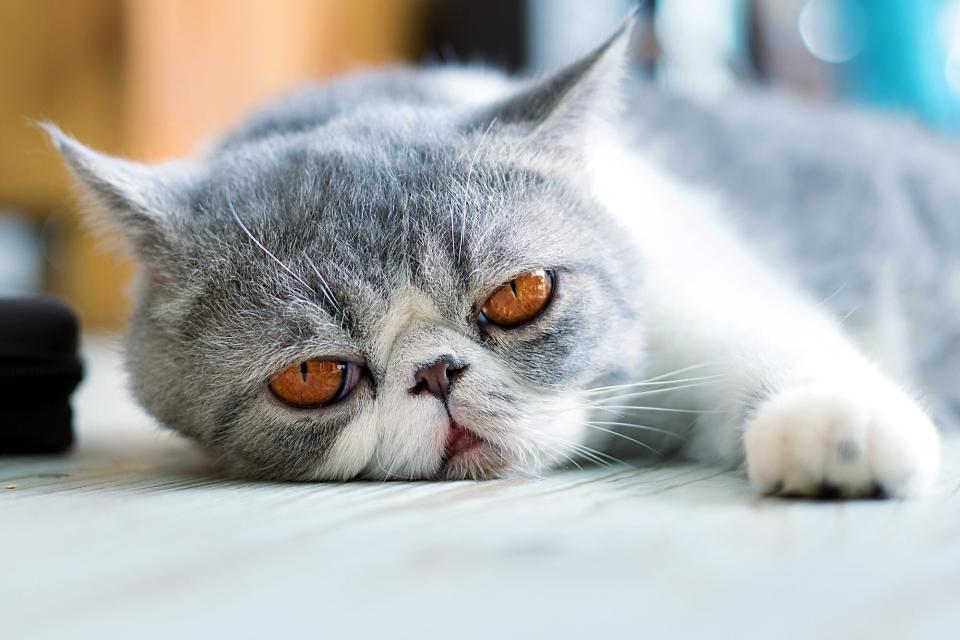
point(131, 536)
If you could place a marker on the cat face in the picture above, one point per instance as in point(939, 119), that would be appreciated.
point(392, 293)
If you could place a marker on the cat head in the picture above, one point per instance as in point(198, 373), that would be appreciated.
point(406, 291)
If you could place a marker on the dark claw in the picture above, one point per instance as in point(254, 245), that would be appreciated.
point(829, 492)
point(878, 492)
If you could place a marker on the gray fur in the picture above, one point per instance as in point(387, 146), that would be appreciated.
point(294, 236)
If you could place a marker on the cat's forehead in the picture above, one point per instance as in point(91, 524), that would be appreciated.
point(428, 197)
point(358, 163)
point(368, 222)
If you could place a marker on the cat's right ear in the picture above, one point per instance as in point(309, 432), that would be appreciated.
point(137, 200)
point(561, 110)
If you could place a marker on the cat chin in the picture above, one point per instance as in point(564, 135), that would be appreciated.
point(481, 462)
point(456, 453)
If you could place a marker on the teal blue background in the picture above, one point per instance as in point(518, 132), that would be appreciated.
point(903, 64)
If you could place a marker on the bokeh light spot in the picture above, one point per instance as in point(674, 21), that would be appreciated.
point(834, 31)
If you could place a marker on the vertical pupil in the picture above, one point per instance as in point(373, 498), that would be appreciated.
point(303, 371)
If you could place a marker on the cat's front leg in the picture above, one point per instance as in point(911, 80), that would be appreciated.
point(780, 385)
point(826, 435)
point(784, 388)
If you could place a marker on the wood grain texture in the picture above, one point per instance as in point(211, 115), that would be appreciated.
point(133, 536)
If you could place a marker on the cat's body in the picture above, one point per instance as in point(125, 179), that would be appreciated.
point(859, 211)
point(370, 220)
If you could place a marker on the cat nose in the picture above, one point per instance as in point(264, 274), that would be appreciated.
point(437, 376)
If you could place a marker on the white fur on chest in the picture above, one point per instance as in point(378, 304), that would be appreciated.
point(696, 269)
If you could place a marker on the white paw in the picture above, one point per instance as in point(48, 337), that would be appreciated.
point(827, 441)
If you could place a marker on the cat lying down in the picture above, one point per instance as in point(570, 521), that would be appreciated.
point(448, 273)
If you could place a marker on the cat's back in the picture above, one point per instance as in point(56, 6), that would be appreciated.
point(382, 91)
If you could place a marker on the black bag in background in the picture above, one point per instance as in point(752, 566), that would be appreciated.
point(39, 369)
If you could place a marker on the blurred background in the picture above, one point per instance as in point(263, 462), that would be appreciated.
point(150, 79)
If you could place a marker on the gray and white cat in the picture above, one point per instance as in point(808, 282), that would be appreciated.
point(448, 273)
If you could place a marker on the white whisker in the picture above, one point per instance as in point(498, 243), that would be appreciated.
point(327, 293)
point(267, 251)
point(684, 370)
point(560, 451)
point(625, 437)
point(640, 427)
point(594, 454)
point(650, 392)
point(651, 383)
point(628, 408)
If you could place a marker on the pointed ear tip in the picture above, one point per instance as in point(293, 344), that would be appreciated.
point(629, 26)
point(62, 142)
point(618, 45)
point(54, 133)
point(80, 159)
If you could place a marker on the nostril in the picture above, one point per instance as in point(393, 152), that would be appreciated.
point(454, 374)
point(420, 387)
point(437, 376)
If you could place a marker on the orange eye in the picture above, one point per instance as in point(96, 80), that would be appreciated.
point(520, 300)
point(314, 383)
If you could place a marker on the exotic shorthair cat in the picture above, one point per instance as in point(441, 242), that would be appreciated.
point(448, 273)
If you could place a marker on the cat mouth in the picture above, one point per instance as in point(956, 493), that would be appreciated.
point(468, 456)
point(460, 444)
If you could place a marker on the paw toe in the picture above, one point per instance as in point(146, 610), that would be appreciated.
point(821, 443)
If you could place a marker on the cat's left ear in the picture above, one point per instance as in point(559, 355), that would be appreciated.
point(561, 109)
point(142, 202)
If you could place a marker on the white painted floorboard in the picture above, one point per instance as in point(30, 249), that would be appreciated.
point(131, 536)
